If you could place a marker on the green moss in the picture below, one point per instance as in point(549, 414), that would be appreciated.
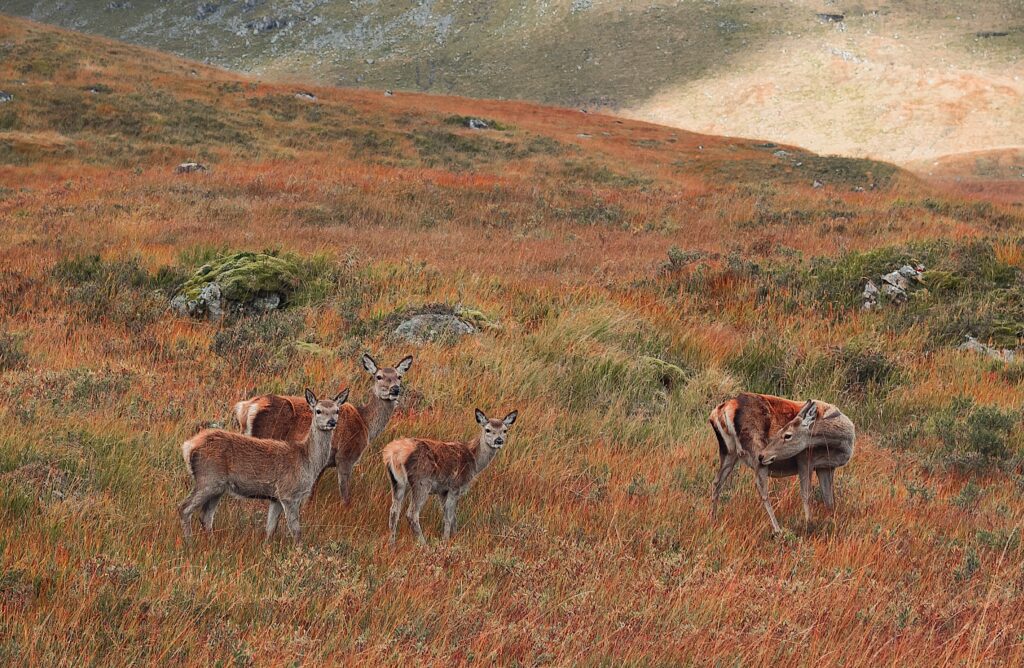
point(244, 276)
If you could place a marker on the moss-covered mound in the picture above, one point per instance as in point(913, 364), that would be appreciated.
point(240, 281)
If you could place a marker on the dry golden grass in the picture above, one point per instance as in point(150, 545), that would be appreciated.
point(588, 540)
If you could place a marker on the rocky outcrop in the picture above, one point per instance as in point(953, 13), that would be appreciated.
point(894, 287)
point(237, 283)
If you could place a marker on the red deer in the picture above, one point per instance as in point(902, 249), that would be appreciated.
point(282, 472)
point(445, 468)
point(288, 418)
point(778, 438)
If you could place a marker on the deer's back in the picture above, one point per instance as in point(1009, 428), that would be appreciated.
point(443, 463)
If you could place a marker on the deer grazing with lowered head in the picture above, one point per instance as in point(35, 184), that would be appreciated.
point(288, 418)
point(778, 438)
point(282, 472)
point(419, 467)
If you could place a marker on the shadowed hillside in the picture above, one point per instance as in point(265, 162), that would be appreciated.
point(894, 80)
point(618, 279)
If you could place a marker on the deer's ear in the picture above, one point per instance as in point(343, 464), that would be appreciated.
point(369, 364)
point(809, 413)
point(310, 398)
point(403, 366)
point(481, 419)
point(342, 397)
point(510, 418)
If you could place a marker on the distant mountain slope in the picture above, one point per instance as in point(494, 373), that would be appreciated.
point(900, 81)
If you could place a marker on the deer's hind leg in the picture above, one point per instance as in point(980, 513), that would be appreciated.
point(726, 465)
point(825, 480)
point(398, 492)
point(419, 497)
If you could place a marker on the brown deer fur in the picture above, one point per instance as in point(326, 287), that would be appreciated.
point(423, 467)
point(281, 472)
point(288, 418)
point(777, 438)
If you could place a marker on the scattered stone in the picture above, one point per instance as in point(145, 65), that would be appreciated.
point(476, 124)
point(388, 93)
point(369, 61)
point(896, 286)
point(303, 95)
point(237, 283)
point(206, 9)
point(5, 97)
point(817, 184)
point(266, 24)
point(581, 5)
point(781, 154)
point(831, 18)
point(118, 6)
point(250, 5)
point(988, 34)
point(584, 135)
point(974, 345)
point(189, 167)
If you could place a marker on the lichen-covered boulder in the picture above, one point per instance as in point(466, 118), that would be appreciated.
point(427, 327)
point(237, 282)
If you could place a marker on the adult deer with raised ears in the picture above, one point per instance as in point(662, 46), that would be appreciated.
point(280, 471)
point(778, 438)
point(288, 418)
point(419, 467)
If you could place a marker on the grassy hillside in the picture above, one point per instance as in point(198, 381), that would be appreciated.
point(632, 276)
point(894, 80)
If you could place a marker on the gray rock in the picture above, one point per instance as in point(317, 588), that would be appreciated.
point(267, 303)
point(870, 295)
point(189, 167)
point(831, 18)
point(817, 184)
point(428, 327)
point(211, 302)
point(477, 124)
point(303, 95)
point(974, 345)
point(206, 9)
point(5, 97)
point(266, 24)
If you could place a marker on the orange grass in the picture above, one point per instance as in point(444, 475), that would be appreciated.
point(588, 540)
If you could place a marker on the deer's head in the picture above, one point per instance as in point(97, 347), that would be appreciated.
point(495, 432)
point(792, 439)
point(325, 411)
point(387, 381)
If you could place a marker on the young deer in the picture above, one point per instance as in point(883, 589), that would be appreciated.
point(445, 468)
point(288, 418)
point(779, 438)
point(282, 472)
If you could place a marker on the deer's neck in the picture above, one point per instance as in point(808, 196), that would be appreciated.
point(483, 454)
point(318, 449)
point(376, 413)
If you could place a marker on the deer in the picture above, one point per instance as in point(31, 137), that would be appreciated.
point(779, 438)
point(280, 471)
point(288, 418)
point(419, 467)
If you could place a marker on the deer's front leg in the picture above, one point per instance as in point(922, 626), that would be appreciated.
point(449, 502)
point(761, 480)
point(803, 467)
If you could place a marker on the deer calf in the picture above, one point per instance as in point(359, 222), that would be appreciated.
point(778, 438)
point(419, 467)
point(287, 418)
point(282, 472)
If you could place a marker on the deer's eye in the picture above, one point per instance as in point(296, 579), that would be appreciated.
point(318, 411)
point(788, 436)
point(380, 377)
